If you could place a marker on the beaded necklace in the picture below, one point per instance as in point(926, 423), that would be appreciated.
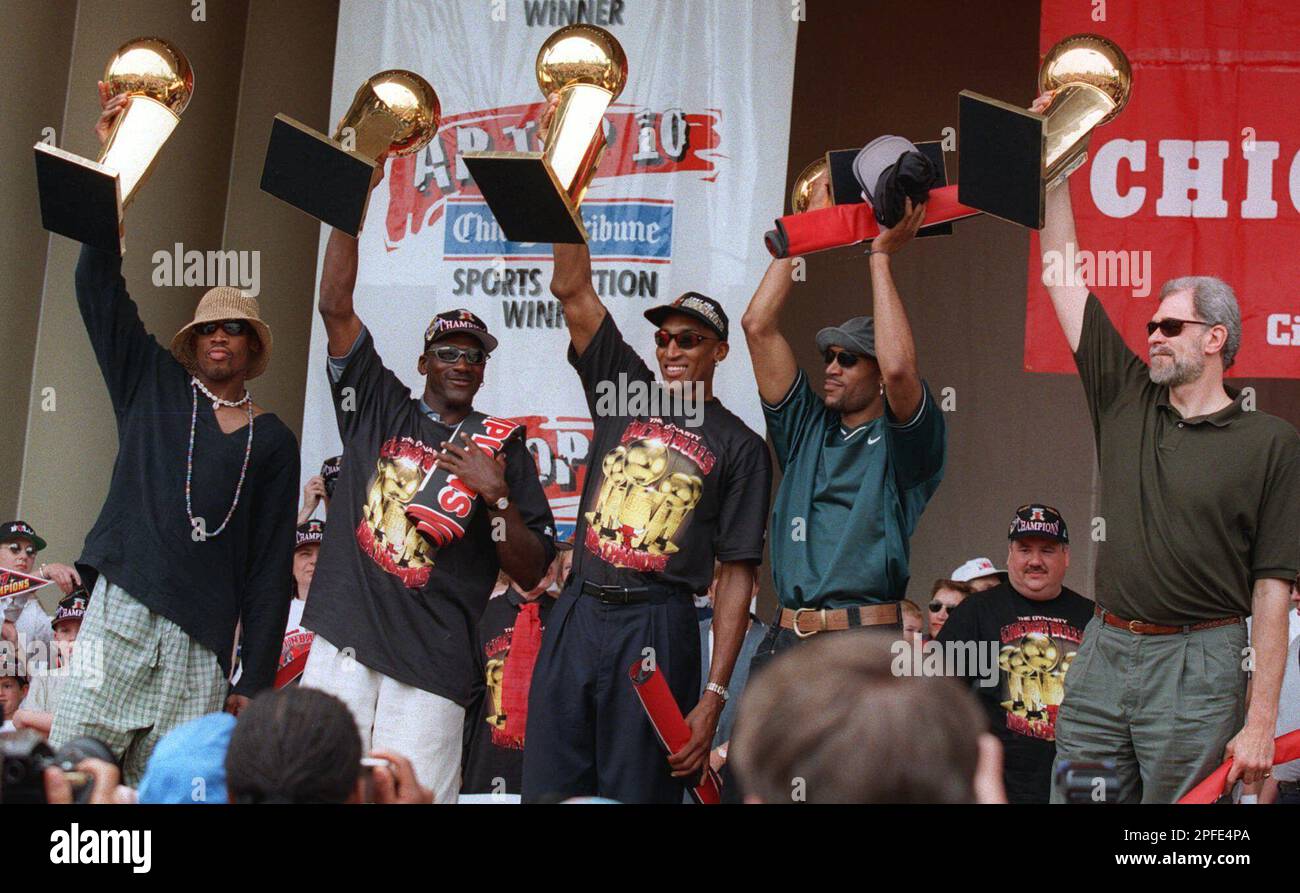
point(247, 401)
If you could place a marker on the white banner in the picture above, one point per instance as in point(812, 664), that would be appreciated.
point(693, 175)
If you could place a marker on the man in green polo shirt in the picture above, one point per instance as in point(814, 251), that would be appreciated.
point(859, 464)
point(1200, 499)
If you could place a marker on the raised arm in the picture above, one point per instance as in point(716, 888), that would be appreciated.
point(773, 359)
point(895, 350)
point(1058, 233)
point(337, 281)
point(571, 284)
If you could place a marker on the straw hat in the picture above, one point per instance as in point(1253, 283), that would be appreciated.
point(217, 305)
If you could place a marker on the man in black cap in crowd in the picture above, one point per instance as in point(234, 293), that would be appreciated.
point(393, 616)
point(859, 462)
point(1033, 624)
point(668, 490)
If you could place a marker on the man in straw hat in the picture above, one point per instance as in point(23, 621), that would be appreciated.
point(196, 535)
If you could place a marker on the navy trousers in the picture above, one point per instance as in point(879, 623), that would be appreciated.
point(587, 732)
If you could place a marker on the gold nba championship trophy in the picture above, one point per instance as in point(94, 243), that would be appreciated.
point(1010, 157)
point(801, 195)
point(84, 199)
point(395, 112)
point(535, 195)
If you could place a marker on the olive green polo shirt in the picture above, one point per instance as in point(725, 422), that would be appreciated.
point(1196, 510)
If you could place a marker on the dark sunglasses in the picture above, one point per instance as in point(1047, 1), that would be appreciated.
point(685, 340)
point(16, 549)
point(843, 357)
point(936, 607)
point(475, 356)
point(1173, 327)
point(231, 327)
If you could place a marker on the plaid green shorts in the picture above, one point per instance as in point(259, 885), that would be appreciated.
point(140, 676)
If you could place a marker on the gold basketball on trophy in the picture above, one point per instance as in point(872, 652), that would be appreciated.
point(535, 195)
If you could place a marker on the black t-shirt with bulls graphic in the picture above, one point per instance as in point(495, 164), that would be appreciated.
point(1027, 646)
point(493, 761)
point(404, 608)
point(665, 494)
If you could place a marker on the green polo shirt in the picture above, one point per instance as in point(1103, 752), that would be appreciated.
point(849, 499)
point(1195, 509)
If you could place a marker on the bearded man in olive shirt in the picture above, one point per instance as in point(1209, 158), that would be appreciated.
point(1199, 496)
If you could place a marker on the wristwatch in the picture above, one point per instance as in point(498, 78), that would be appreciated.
point(501, 504)
point(718, 690)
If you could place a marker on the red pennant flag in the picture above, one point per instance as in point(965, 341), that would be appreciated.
point(16, 583)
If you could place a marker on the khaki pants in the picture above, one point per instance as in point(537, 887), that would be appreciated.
point(1162, 707)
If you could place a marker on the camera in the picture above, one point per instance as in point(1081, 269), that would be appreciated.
point(1084, 782)
point(24, 757)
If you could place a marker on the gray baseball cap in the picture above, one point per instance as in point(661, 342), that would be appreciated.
point(857, 335)
point(879, 154)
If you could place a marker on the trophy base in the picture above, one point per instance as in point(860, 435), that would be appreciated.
point(846, 190)
point(308, 170)
point(79, 198)
point(525, 197)
point(1002, 149)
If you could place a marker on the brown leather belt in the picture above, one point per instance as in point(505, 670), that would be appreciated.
point(1142, 628)
point(809, 621)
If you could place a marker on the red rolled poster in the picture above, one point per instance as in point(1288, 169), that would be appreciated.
point(669, 724)
point(840, 225)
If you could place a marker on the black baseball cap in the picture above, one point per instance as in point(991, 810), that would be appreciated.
point(1038, 520)
point(694, 304)
point(329, 472)
point(71, 607)
point(20, 530)
point(458, 322)
point(310, 532)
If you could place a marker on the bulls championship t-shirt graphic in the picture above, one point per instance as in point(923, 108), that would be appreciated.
point(664, 495)
point(385, 533)
point(1035, 656)
point(494, 745)
point(650, 483)
point(1036, 642)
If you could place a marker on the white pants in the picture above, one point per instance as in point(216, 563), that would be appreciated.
point(421, 726)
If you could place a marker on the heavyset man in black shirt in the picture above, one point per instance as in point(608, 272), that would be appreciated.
point(664, 495)
point(1034, 625)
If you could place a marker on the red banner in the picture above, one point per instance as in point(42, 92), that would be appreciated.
point(1199, 174)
